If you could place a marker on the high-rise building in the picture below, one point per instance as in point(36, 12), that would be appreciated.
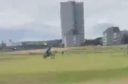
point(72, 23)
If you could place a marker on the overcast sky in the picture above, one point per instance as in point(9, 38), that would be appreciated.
point(22, 20)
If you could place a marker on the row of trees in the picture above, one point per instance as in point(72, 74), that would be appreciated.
point(98, 41)
point(124, 39)
point(2, 45)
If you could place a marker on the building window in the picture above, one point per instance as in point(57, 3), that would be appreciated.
point(64, 41)
point(74, 39)
point(105, 38)
point(115, 35)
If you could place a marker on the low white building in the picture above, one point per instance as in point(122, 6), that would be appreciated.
point(113, 36)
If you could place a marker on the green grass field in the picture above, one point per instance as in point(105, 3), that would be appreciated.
point(91, 65)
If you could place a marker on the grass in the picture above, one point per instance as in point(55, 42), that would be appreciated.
point(76, 66)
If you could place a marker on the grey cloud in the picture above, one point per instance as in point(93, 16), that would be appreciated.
point(47, 12)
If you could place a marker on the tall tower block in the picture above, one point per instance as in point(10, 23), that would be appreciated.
point(72, 23)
